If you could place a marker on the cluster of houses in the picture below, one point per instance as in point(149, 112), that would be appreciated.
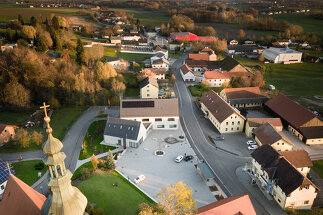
point(284, 12)
point(159, 59)
point(204, 66)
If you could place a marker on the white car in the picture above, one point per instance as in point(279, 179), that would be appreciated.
point(179, 158)
point(251, 142)
point(252, 147)
point(139, 179)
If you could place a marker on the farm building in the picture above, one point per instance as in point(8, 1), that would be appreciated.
point(282, 55)
point(217, 78)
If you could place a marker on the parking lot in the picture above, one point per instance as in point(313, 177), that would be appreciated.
point(162, 171)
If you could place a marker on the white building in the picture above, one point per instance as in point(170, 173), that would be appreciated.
point(282, 55)
point(216, 78)
point(118, 63)
point(187, 73)
point(160, 63)
point(155, 113)
point(4, 175)
point(125, 133)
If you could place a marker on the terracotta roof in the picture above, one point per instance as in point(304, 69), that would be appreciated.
point(185, 69)
point(204, 63)
point(19, 198)
point(233, 205)
point(299, 158)
point(314, 132)
point(244, 92)
point(219, 108)
point(202, 56)
point(267, 134)
point(216, 75)
point(207, 50)
point(256, 122)
point(148, 80)
point(279, 169)
point(293, 113)
point(158, 71)
point(131, 108)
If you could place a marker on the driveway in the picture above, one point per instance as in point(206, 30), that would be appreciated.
point(163, 171)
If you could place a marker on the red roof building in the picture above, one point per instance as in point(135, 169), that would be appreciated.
point(188, 36)
point(230, 206)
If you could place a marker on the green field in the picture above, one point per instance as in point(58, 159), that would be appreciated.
point(61, 120)
point(318, 167)
point(117, 200)
point(308, 23)
point(96, 148)
point(132, 92)
point(25, 171)
point(109, 52)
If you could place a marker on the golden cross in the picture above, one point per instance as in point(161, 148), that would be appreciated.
point(44, 107)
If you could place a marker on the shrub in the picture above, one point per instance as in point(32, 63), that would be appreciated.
point(86, 173)
point(39, 166)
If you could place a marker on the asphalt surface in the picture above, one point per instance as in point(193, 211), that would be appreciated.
point(222, 163)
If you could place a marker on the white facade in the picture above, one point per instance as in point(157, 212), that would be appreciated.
point(189, 76)
point(217, 82)
point(159, 122)
point(282, 55)
point(130, 38)
point(3, 187)
point(160, 65)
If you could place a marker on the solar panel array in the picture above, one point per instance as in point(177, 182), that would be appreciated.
point(4, 172)
point(138, 104)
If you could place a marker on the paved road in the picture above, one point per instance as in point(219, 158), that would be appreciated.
point(223, 164)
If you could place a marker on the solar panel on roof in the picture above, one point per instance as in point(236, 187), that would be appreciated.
point(138, 104)
point(4, 172)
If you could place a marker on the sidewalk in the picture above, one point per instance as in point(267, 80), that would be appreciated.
point(270, 205)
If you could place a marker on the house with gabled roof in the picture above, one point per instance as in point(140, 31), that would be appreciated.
point(254, 123)
point(233, 205)
point(149, 88)
point(222, 115)
point(187, 73)
point(160, 63)
point(217, 78)
point(300, 121)
point(299, 159)
point(244, 97)
point(7, 133)
point(125, 133)
point(275, 174)
point(267, 135)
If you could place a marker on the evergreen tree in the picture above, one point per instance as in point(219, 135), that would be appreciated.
point(20, 19)
point(55, 23)
point(10, 34)
point(41, 43)
point(80, 54)
point(57, 42)
point(33, 21)
point(110, 161)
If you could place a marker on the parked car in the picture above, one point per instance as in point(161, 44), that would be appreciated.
point(29, 124)
point(217, 138)
point(252, 147)
point(251, 142)
point(179, 158)
point(139, 179)
point(188, 157)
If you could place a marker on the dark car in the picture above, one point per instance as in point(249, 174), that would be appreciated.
point(217, 138)
point(188, 157)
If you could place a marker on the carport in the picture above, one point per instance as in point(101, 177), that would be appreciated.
point(204, 171)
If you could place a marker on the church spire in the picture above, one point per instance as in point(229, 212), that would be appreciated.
point(64, 199)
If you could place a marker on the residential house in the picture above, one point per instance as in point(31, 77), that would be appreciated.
point(159, 73)
point(233, 205)
point(149, 88)
point(18, 198)
point(7, 133)
point(301, 122)
point(267, 134)
point(125, 133)
point(245, 97)
point(299, 159)
point(158, 113)
point(187, 73)
point(253, 123)
point(8, 47)
point(5, 172)
point(233, 42)
point(282, 55)
point(283, 42)
point(176, 44)
point(244, 49)
point(217, 78)
point(143, 42)
point(157, 56)
point(117, 63)
point(151, 34)
point(210, 52)
point(222, 115)
point(130, 37)
point(115, 39)
point(163, 51)
point(234, 68)
point(160, 63)
point(281, 179)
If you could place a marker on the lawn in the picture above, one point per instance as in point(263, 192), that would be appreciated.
point(117, 200)
point(25, 171)
point(132, 92)
point(109, 52)
point(61, 120)
point(96, 130)
point(133, 57)
point(318, 167)
point(196, 90)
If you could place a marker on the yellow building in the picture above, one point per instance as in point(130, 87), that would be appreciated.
point(224, 117)
point(253, 123)
point(268, 135)
point(275, 174)
point(149, 88)
point(246, 97)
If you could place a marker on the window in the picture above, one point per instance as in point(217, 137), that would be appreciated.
point(306, 202)
point(279, 200)
point(147, 91)
point(5, 130)
point(239, 123)
point(160, 126)
point(282, 143)
point(227, 123)
point(119, 142)
point(2, 187)
point(145, 120)
point(148, 94)
point(226, 129)
point(171, 119)
point(158, 119)
point(301, 169)
point(173, 126)
point(232, 123)
point(231, 129)
point(237, 128)
point(277, 144)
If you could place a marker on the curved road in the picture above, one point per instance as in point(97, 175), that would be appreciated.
point(222, 163)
